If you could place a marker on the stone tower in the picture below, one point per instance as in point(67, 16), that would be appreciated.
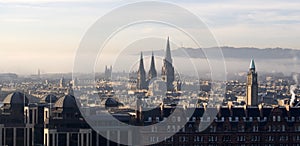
point(141, 76)
point(152, 72)
point(107, 73)
point(168, 69)
point(252, 86)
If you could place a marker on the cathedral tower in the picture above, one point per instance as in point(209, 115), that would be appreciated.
point(168, 69)
point(252, 86)
point(107, 73)
point(152, 72)
point(141, 77)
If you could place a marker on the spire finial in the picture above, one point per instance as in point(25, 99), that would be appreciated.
point(168, 57)
point(252, 64)
point(152, 72)
point(141, 62)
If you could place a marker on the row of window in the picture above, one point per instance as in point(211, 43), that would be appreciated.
point(255, 128)
point(231, 119)
point(227, 138)
point(240, 128)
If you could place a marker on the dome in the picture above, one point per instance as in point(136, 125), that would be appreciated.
point(50, 98)
point(67, 101)
point(16, 98)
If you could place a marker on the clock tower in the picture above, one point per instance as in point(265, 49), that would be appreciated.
point(252, 86)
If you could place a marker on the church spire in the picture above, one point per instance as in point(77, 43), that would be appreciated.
point(152, 72)
point(168, 52)
point(167, 71)
point(141, 80)
point(141, 67)
point(252, 64)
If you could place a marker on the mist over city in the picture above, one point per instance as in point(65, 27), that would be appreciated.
point(118, 73)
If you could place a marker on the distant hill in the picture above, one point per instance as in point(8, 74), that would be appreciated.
point(236, 53)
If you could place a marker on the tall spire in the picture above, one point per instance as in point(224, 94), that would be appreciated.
point(252, 64)
point(141, 63)
point(167, 71)
point(152, 72)
point(141, 80)
point(168, 57)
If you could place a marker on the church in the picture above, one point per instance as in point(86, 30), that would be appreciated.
point(167, 74)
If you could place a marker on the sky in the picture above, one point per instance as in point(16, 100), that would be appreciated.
point(45, 34)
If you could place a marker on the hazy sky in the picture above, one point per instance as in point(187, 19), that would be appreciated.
point(46, 33)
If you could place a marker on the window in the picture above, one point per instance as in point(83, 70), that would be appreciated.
point(193, 119)
point(255, 128)
point(283, 128)
point(270, 138)
point(170, 139)
point(297, 128)
point(212, 128)
point(178, 128)
point(241, 138)
point(198, 138)
point(178, 119)
point(157, 119)
point(226, 138)
point(153, 129)
point(236, 118)
point(182, 138)
point(293, 119)
point(283, 138)
point(226, 129)
point(297, 138)
point(212, 138)
point(269, 128)
point(46, 114)
point(255, 138)
point(173, 119)
point(241, 128)
point(208, 119)
point(173, 128)
point(153, 139)
point(46, 139)
point(168, 128)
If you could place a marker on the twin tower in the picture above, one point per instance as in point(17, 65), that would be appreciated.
point(167, 71)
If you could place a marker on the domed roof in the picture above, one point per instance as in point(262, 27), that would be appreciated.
point(67, 101)
point(16, 98)
point(50, 98)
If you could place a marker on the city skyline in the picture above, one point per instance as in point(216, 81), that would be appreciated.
point(71, 112)
point(128, 72)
